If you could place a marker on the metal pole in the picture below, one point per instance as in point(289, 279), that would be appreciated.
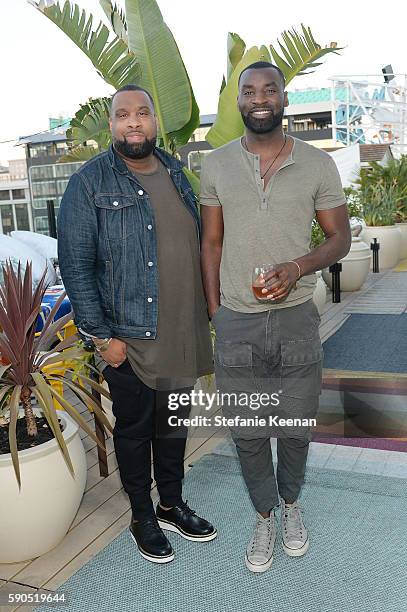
point(52, 223)
point(336, 270)
point(375, 246)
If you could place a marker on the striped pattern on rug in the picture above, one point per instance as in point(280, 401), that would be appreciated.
point(387, 296)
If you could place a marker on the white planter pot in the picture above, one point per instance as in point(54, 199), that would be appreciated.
point(319, 296)
point(389, 238)
point(355, 266)
point(402, 228)
point(36, 518)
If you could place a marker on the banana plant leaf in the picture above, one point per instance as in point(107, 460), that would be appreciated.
point(111, 58)
point(236, 48)
point(163, 72)
point(193, 179)
point(79, 154)
point(91, 122)
point(182, 136)
point(117, 19)
point(229, 124)
point(299, 53)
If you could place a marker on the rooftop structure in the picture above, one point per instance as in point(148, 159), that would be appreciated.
point(374, 110)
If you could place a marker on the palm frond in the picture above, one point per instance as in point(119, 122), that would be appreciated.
point(91, 123)
point(299, 52)
point(81, 153)
point(112, 59)
point(116, 17)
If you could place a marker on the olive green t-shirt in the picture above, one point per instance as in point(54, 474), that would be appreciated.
point(182, 349)
point(268, 226)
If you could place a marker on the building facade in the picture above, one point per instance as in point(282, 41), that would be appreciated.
point(46, 177)
point(15, 208)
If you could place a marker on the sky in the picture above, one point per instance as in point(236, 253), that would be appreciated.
point(44, 74)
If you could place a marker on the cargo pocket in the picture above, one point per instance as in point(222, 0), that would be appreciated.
point(234, 355)
point(234, 373)
point(301, 367)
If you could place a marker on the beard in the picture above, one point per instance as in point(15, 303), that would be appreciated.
point(263, 126)
point(137, 150)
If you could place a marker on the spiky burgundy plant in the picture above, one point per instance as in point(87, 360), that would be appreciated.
point(30, 366)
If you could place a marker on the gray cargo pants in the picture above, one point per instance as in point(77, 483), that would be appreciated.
point(272, 354)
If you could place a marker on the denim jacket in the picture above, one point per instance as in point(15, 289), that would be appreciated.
point(107, 246)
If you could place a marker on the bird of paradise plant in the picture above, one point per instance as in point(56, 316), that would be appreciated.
point(139, 47)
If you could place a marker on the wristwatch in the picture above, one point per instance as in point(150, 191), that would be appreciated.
point(92, 343)
point(101, 344)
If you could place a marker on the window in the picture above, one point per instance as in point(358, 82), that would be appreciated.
point(41, 225)
point(22, 216)
point(18, 194)
point(41, 172)
point(195, 160)
point(43, 150)
point(62, 185)
point(7, 219)
point(44, 188)
point(4, 194)
point(40, 202)
point(66, 170)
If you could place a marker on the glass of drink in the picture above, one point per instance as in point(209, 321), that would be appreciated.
point(257, 281)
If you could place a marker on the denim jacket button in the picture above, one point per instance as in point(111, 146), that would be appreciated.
point(148, 333)
point(115, 203)
point(149, 227)
point(149, 299)
point(140, 192)
point(150, 263)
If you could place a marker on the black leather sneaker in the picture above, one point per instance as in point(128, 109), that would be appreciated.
point(186, 523)
point(151, 541)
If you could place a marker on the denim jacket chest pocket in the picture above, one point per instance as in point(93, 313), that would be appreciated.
point(119, 215)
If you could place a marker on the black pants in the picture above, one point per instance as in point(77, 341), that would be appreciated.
point(141, 422)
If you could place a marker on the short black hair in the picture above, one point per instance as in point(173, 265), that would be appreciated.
point(132, 87)
point(257, 65)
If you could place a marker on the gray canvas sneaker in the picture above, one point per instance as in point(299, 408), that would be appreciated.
point(295, 535)
point(259, 553)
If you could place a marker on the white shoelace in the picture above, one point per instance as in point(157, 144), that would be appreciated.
point(293, 523)
point(261, 539)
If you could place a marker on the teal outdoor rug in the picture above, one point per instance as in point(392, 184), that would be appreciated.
point(375, 343)
point(356, 561)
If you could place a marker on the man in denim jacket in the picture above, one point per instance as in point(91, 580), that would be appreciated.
point(129, 235)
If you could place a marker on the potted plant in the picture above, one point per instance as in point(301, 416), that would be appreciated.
point(42, 459)
point(355, 265)
point(393, 174)
point(379, 205)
